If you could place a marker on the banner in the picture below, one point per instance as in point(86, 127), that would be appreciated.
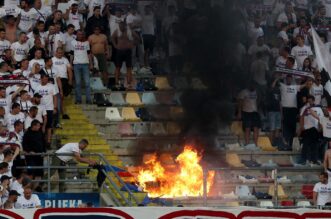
point(294, 72)
point(68, 200)
point(164, 213)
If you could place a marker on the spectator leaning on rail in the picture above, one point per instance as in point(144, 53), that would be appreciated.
point(61, 160)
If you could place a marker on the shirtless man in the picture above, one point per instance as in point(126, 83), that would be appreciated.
point(124, 41)
point(99, 48)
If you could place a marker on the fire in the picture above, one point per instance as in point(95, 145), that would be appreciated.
point(186, 179)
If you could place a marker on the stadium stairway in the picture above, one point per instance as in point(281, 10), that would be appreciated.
point(77, 128)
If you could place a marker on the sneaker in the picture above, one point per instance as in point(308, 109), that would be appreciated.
point(58, 126)
point(65, 116)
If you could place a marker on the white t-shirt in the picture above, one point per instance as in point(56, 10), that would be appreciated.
point(253, 49)
point(300, 54)
point(54, 42)
point(283, 35)
point(27, 122)
point(47, 92)
point(327, 4)
point(323, 193)
point(249, 99)
point(11, 119)
point(114, 23)
point(41, 14)
point(67, 40)
point(259, 69)
point(317, 92)
point(80, 52)
point(93, 3)
point(25, 105)
point(326, 126)
point(134, 19)
point(20, 51)
point(289, 95)
point(4, 44)
point(309, 120)
point(254, 33)
point(23, 203)
point(6, 103)
point(75, 19)
point(41, 62)
point(282, 18)
point(27, 20)
point(68, 148)
point(34, 81)
point(60, 66)
point(16, 186)
point(41, 113)
point(148, 24)
point(10, 10)
point(281, 62)
point(52, 73)
point(11, 2)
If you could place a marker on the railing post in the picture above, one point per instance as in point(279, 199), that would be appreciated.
point(205, 173)
point(49, 175)
point(275, 174)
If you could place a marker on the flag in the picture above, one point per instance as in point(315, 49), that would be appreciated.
point(323, 57)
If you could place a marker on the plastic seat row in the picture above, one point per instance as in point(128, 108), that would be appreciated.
point(161, 83)
point(144, 114)
point(146, 129)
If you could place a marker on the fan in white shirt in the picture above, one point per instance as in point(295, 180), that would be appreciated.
point(41, 13)
point(48, 93)
point(4, 44)
point(93, 3)
point(115, 20)
point(68, 37)
point(28, 200)
point(6, 100)
point(301, 51)
point(13, 116)
point(54, 40)
point(24, 101)
point(37, 59)
point(9, 10)
point(322, 191)
point(27, 17)
point(32, 115)
point(9, 157)
point(41, 113)
point(20, 48)
point(73, 17)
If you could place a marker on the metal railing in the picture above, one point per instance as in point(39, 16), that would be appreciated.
point(114, 191)
point(274, 171)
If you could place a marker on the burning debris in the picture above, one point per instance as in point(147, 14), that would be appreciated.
point(182, 177)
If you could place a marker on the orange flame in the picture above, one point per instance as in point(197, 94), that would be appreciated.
point(186, 180)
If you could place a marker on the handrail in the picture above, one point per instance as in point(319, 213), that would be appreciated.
point(101, 159)
point(275, 172)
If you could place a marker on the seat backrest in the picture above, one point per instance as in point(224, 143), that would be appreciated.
point(165, 98)
point(162, 83)
point(173, 128)
point(181, 83)
point(265, 204)
point(133, 99)
point(157, 129)
point(242, 191)
point(113, 114)
point(96, 84)
point(287, 203)
point(128, 113)
point(149, 98)
point(303, 204)
point(141, 129)
point(116, 98)
point(125, 129)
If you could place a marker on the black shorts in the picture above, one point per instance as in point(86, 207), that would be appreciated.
point(123, 56)
point(251, 120)
point(149, 41)
point(49, 119)
point(66, 87)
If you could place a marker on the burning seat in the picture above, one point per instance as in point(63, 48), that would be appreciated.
point(113, 114)
point(116, 98)
point(133, 99)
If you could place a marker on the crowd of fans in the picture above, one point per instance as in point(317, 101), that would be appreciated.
point(280, 36)
point(47, 48)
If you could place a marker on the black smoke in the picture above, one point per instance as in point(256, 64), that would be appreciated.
point(210, 36)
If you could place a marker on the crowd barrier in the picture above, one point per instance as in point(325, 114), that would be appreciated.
point(163, 213)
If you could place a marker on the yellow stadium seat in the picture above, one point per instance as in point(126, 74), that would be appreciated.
point(162, 83)
point(233, 160)
point(236, 129)
point(133, 99)
point(280, 191)
point(264, 143)
point(129, 114)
